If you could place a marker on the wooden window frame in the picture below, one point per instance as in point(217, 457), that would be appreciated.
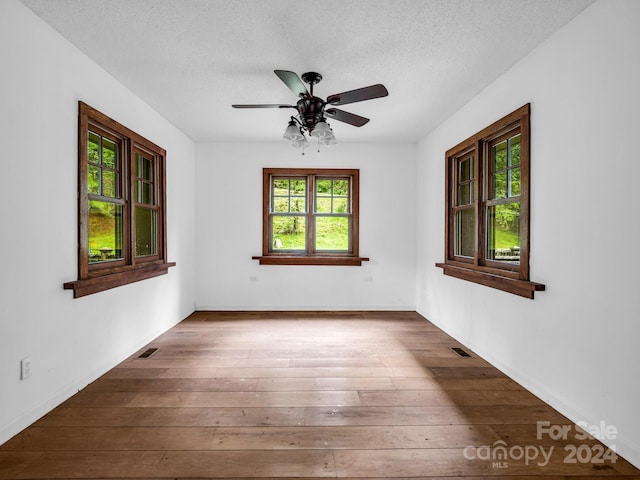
point(100, 276)
point(479, 269)
point(311, 257)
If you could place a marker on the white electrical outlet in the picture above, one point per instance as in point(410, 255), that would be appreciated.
point(25, 368)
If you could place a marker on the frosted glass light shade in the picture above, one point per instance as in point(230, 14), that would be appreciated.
point(320, 130)
point(303, 142)
point(292, 133)
point(329, 139)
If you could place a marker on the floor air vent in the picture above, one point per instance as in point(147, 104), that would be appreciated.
point(147, 353)
point(460, 351)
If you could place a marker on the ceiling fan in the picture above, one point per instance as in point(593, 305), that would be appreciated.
point(312, 110)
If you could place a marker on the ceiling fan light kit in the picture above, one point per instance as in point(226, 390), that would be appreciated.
point(312, 111)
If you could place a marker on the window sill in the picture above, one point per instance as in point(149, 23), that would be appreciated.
point(310, 260)
point(101, 283)
point(522, 288)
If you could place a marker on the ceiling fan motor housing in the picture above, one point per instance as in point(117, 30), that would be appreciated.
point(311, 111)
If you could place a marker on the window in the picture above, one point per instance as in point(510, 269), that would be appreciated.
point(487, 204)
point(122, 229)
point(310, 217)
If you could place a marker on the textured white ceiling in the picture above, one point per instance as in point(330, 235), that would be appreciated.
point(191, 59)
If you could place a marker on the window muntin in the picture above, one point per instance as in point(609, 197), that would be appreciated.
point(310, 216)
point(121, 196)
point(487, 207)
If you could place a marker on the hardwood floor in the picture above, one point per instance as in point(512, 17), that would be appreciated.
point(304, 395)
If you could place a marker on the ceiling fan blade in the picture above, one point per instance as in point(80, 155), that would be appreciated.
point(346, 117)
point(359, 95)
point(264, 105)
point(292, 80)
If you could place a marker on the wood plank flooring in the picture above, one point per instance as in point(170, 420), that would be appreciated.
point(305, 395)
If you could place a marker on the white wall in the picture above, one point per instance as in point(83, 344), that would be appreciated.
point(229, 231)
point(70, 342)
point(575, 345)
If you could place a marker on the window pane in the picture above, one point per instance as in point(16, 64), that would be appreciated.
point(106, 233)
point(93, 148)
point(109, 153)
point(503, 232)
point(147, 169)
point(147, 193)
point(93, 180)
point(464, 194)
point(281, 187)
point(464, 232)
point(109, 183)
point(298, 204)
point(340, 205)
point(281, 204)
point(332, 233)
point(514, 144)
point(499, 156)
point(341, 187)
point(146, 232)
point(500, 185)
point(298, 187)
point(323, 186)
point(514, 182)
point(288, 233)
point(466, 170)
point(323, 205)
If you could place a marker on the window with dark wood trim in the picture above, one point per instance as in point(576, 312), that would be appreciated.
point(310, 217)
point(122, 234)
point(487, 178)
